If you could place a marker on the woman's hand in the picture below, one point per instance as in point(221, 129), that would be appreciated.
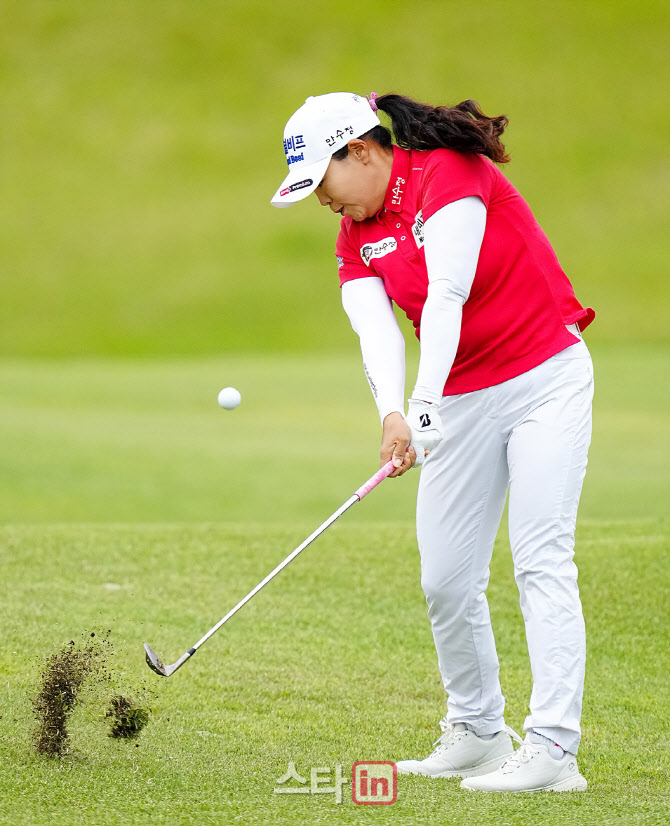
point(425, 424)
point(396, 437)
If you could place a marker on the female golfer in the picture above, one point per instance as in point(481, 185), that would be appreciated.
point(502, 400)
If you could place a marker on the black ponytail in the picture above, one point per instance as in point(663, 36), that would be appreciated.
point(464, 128)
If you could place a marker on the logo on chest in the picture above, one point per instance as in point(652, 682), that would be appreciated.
point(378, 250)
point(417, 229)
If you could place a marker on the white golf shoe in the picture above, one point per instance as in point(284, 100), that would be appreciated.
point(461, 753)
point(531, 769)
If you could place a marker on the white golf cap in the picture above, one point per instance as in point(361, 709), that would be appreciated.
point(320, 127)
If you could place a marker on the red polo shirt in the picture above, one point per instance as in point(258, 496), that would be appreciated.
point(521, 300)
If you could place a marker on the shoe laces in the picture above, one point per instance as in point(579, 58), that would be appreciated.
point(521, 755)
point(512, 734)
point(450, 734)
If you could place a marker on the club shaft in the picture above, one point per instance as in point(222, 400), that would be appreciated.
point(371, 484)
point(348, 504)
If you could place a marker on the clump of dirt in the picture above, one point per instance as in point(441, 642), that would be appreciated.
point(64, 676)
point(128, 717)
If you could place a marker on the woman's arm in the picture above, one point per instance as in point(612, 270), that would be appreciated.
point(382, 344)
point(383, 349)
point(452, 240)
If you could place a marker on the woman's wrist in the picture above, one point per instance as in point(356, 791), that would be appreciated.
point(384, 415)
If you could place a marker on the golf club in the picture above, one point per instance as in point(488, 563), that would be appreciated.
point(154, 662)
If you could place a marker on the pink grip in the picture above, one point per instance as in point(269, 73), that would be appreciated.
point(373, 481)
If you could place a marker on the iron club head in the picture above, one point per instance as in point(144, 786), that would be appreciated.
point(156, 664)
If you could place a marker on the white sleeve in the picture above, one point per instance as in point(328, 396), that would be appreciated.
point(382, 344)
point(452, 240)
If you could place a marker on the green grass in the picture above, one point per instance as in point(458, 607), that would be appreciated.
point(141, 144)
point(132, 503)
point(333, 663)
point(144, 441)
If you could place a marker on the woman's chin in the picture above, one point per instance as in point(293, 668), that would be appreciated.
point(355, 213)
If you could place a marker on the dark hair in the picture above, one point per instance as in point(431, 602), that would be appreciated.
point(463, 128)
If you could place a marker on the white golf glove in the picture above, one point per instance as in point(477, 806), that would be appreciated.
point(425, 423)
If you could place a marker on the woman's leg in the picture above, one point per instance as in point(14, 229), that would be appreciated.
point(460, 503)
point(547, 455)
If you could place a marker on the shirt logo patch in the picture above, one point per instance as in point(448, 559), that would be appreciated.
point(417, 229)
point(340, 261)
point(378, 250)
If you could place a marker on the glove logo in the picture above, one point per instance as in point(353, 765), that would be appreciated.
point(424, 419)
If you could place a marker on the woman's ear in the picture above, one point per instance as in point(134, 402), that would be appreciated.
point(359, 149)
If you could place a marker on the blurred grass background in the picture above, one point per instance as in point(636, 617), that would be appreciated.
point(143, 267)
point(117, 440)
point(141, 142)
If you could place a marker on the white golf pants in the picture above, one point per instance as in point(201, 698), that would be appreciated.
point(530, 434)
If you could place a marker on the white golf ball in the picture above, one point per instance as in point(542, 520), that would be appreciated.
point(229, 398)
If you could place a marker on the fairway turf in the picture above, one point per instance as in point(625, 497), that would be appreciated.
point(95, 440)
point(334, 661)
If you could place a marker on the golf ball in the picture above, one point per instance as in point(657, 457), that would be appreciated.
point(229, 398)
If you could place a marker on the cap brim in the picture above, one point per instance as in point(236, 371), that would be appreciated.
point(299, 183)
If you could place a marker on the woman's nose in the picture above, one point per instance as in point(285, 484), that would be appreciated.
point(324, 200)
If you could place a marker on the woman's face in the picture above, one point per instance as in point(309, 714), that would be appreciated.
point(356, 186)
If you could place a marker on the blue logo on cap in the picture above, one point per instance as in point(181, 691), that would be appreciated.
point(294, 142)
